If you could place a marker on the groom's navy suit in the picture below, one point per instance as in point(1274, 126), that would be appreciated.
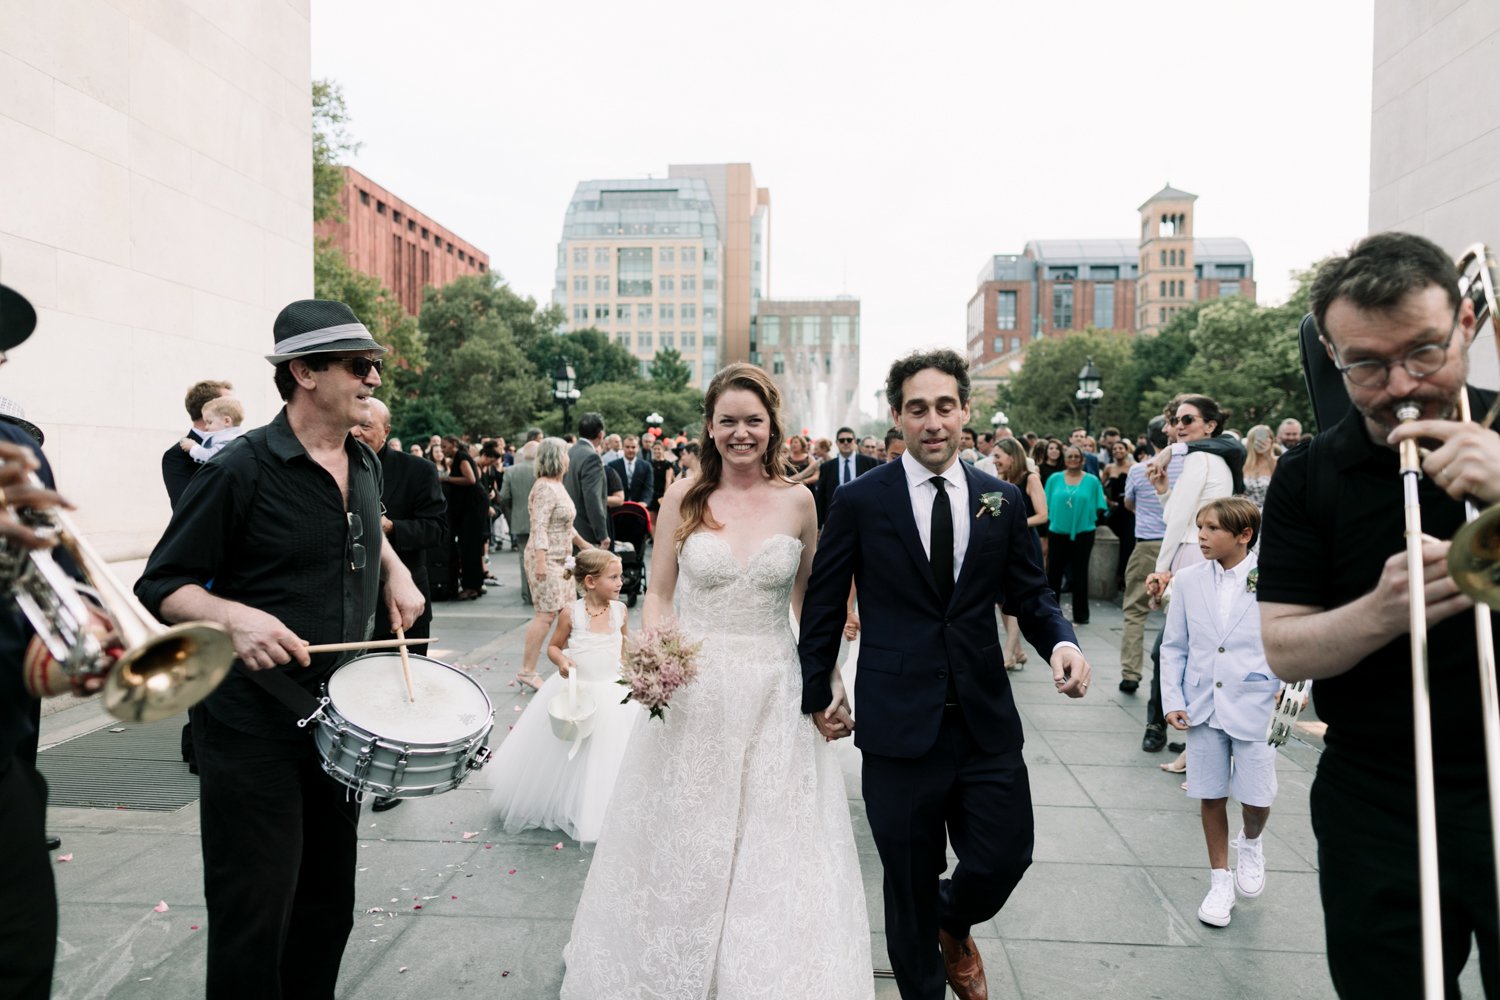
point(936, 721)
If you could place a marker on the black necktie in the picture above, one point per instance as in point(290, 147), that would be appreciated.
point(847, 462)
point(941, 555)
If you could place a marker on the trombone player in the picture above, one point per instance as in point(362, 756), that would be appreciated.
point(1335, 596)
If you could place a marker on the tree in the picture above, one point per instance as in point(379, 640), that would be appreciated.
point(331, 143)
point(669, 371)
point(1042, 397)
point(624, 406)
point(475, 368)
point(594, 356)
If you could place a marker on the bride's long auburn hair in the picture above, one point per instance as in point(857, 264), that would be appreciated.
point(751, 378)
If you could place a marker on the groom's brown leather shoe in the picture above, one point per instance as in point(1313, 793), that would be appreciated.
point(964, 967)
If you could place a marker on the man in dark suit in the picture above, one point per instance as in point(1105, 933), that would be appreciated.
point(634, 471)
point(176, 465)
point(586, 483)
point(932, 545)
point(415, 521)
point(843, 468)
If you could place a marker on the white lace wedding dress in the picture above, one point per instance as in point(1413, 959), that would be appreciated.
point(727, 868)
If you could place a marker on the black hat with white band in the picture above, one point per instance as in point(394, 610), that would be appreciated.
point(319, 326)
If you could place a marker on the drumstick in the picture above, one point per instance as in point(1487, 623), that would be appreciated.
point(406, 665)
point(340, 647)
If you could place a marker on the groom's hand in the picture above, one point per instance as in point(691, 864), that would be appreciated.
point(835, 723)
point(1071, 673)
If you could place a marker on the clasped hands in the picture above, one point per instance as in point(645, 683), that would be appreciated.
point(835, 722)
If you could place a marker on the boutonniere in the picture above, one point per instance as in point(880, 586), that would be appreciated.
point(1252, 580)
point(991, 504)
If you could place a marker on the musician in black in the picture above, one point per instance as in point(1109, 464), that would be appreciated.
point(28, 895)
point(285, 522)
point(1333, 594)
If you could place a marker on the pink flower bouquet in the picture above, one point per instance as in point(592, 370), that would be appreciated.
point(657, 661)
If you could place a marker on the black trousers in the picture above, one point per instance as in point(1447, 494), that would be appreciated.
point(28, 895)
point(1154, 715)
point(956, 791)
point(1071, 555)
point(279, 850)
point(1367, 873)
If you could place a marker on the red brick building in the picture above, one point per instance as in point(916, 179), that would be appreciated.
point(385, 237)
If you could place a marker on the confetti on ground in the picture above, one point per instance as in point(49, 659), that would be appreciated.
point(64, 857)
point(518, 708)
point(504, 973)
point(193, 927)
point(375, 909)
point(511, 872)
point(121, 729)
point(161, 907)
point(452, 897)
point(470, 834)
point(402, 969)
point(487, 846)
point(417, 907)
point(557, 846)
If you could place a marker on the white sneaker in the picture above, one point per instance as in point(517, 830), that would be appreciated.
point(1220, 899)
point(1250, 873)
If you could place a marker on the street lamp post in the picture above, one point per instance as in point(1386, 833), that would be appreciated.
point(999, 420)
point(1089, 393)
point(564, 389)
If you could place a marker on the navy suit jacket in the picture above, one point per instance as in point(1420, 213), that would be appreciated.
point(828, 479)
point(640, 487)
point(910, 641)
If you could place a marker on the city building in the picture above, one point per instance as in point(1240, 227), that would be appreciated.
point(1435, 134)
point(1055, 287)
point(385, 237)
point(641, 260)
point(158, 211)
point(810, 347)
point(744, 213)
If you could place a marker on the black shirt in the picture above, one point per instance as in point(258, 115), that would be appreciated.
point(1334, 514)
point(267, 526)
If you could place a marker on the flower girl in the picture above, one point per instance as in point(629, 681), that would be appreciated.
point(542, 780)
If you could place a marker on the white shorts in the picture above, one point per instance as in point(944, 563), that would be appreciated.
point(1218, 765)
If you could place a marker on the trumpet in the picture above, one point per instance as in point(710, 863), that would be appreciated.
point(150, 671)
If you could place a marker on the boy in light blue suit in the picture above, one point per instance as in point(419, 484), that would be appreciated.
point(1215, 683)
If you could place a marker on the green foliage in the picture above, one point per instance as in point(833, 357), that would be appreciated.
point(624, 406)
point(331, 144)
point(669, 371)
point(475, 366)
point(594, 356)
point(1042, 397)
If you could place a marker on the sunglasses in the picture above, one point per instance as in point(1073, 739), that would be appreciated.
point(361, 367)
point(1183, 421)
point(356, 535)
point(846, 440)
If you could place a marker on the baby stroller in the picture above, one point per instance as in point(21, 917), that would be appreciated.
point(630, 526)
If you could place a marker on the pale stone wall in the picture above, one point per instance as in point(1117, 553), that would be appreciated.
point(1435, 129)
point(156, 208)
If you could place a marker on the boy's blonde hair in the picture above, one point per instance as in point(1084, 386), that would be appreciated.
point(225, 406)
point(589, 562)
point(1235, 514)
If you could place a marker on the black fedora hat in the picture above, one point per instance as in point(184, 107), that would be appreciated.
point(17, 318)
point(318, 326)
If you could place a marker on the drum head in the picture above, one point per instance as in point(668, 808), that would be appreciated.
point(370, 692)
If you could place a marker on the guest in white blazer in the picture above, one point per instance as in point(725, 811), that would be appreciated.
point(1215, 683)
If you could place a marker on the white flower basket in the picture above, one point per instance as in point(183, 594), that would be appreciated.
point(572, 714)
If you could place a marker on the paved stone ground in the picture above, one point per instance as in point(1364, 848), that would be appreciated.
point(1108, 910)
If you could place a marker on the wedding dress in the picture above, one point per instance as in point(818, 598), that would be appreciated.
point(726, 868)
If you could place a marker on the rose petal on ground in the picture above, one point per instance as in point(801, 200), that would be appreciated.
point(64, 857)
point(557, 846)
point(161, 907)
point(193, 927)
point(470, 834)
point(511, 872)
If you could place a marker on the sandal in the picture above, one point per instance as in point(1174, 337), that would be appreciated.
point(1176, 766)
point(532, 680)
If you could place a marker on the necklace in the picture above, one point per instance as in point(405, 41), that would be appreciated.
point(1072, 490)
point(595, 614)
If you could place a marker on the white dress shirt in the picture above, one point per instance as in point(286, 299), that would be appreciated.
point(923, 493)
point(1228, 583)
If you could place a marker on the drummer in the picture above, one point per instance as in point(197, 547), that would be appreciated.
point(284, 527)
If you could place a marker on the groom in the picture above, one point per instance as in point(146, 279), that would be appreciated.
point(932, 546)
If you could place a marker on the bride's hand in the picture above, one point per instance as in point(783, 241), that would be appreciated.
point(835, 722)
point(851, 626)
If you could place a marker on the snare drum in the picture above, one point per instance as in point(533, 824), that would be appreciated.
point(374, 739)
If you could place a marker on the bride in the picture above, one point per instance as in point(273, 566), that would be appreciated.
point(726, 867)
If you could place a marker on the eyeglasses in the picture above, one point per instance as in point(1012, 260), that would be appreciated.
point(1183, 421)
point(356, 550)
point(1419, 362)
point(361, 367)
point(846, 440)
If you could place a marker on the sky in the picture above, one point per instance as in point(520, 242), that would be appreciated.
point(903, 144)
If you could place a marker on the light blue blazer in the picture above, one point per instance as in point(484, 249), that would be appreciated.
point(1213, 669)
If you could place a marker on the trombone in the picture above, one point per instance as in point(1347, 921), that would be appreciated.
point(1474, 564)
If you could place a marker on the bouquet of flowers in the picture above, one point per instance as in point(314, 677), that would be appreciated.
point(656, 662)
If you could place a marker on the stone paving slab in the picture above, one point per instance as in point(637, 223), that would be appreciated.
point(1108, 909)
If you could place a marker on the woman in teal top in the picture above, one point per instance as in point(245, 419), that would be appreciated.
point(1074, 502)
